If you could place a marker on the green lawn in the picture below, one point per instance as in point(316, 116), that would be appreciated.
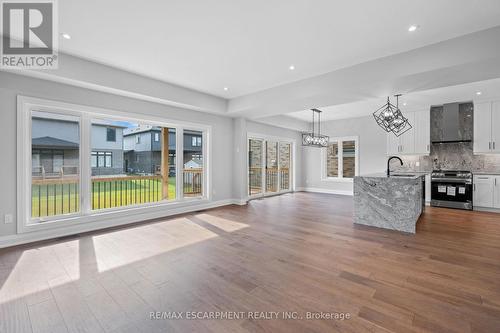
point(49, 200)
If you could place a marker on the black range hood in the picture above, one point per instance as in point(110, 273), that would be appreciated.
point(452, 123)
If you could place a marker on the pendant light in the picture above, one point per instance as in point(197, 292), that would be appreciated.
point(391, 119)
point(314, 139)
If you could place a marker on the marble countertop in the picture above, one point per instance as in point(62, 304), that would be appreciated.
point(395, 175)
point(389, 202)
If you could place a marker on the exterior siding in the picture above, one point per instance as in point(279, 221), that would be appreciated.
point(99, 138)
point(64, 130)
point(143, 162)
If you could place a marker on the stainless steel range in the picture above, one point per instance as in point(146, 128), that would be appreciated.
point(452, 189)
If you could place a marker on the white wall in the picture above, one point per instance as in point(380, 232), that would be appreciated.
point(372, 152)
point(12, 85)
point(228, 159)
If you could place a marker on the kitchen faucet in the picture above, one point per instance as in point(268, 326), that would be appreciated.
point(389, 161)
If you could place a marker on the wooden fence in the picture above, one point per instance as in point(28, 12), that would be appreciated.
point(57, 196)
point(271, 179)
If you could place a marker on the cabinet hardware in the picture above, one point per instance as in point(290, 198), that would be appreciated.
point(474, 187)
point(489, 145)
point(493, 145)
point(483, 177)
point(427, 147)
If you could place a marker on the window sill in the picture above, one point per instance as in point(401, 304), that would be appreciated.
point(131, 213)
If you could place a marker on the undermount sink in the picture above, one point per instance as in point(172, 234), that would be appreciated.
point(403, 175)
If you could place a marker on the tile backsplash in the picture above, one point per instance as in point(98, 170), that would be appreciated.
point(451, 156)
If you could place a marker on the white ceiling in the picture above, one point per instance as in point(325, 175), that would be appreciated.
point(490, 90)
point(249, 45)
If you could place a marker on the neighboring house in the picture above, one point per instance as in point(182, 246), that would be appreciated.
point(107, 148)
point(193, 164)
point(142, 146)
point(55, 147)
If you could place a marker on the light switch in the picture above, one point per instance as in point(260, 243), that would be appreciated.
point(8, 218)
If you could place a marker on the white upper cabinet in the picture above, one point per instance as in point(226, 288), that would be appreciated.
point(407, 139)
point(414, 141)
point(422, 132)
point(482, 127)
point(487, 127)
point(392, 144)
point(495, 127)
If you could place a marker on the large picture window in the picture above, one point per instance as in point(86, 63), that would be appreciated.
point(78, 163)
point(340, 158)
point(132, 173)
point(55, 164)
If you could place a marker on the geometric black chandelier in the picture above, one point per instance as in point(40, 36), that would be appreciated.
point(391, 119)
point(314, 139)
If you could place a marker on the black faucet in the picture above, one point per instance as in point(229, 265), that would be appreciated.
point(388, 163)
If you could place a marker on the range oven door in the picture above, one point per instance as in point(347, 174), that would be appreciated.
point(451, 193)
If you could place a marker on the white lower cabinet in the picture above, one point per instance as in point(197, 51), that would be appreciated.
point(486, 191)
point(496, 192)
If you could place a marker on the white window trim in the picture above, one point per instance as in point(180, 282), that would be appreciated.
point(27, 104)
point(264, 138)
point(340, 178)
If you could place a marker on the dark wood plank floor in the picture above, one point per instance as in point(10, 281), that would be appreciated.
point(297, 253)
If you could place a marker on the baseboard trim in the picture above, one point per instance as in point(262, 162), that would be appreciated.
point(241, 202)
point(324, 190)
point(46, 234)
point(487, 209)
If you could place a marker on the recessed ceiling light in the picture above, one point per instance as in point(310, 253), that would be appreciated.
point(292, 67)
point(226, 88)
point(66, 36)
point(412, 28)
point(404, 104)
point(478, 93)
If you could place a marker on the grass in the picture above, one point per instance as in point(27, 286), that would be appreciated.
point(49, 200)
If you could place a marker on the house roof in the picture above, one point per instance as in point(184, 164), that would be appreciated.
point(140, 129)
point(50, 142)
point(149, 128)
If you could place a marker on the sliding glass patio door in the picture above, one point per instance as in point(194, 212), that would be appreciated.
point(255, 166)
point(269, 167)
point(272, 166)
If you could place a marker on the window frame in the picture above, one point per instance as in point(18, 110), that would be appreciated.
point(86, 217)
point(324, 159)
point(99, 153)
point(196, 141)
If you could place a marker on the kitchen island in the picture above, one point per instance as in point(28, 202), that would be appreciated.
point(391, 202)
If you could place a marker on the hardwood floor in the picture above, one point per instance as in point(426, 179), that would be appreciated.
point(294, 253)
